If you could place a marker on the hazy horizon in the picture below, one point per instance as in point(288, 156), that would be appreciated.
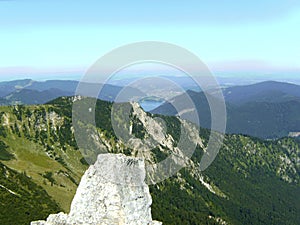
point(43, 40)
point(224, 80)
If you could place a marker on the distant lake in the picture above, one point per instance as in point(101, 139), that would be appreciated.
point(149, 105)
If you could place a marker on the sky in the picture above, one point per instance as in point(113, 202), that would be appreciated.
point(62, 39)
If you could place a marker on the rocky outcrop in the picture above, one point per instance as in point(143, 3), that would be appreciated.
point(112, 191)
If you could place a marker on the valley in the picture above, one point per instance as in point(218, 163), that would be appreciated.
point(250, 181)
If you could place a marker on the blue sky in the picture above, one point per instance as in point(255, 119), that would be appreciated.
point(63, 38)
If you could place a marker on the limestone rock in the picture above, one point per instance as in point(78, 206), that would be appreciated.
point(112, 191)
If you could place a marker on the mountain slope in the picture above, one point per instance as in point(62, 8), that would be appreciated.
point(38, 138)
point(21, 200)
point(8, 87)
point(268, 91)
point(250, 182)
point(31, 97)
point(264, 119)
point(267, 120)
point(29, 92)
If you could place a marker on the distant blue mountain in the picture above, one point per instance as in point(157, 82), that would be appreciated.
point(36, 92)
point(268, 91)
point(265, 110)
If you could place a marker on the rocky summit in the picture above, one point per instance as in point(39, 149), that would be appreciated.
point(112, 191)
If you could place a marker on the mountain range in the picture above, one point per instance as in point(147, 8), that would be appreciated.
point(268, 91)
point(266, 110)
point(251, 181)
point(30, 92)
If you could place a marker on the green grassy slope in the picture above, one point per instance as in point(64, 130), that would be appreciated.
point(21, 199)
point(252, 181)
point(35, 140)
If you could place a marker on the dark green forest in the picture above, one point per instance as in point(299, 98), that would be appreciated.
point(253, 181)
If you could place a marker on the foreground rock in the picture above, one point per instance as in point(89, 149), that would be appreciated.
point(112, 191)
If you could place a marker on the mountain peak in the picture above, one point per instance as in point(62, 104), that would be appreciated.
point(274, 83)
point(112, 191)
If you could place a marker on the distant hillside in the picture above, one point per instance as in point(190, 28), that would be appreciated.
point(200, 102)
point(3, 101)
point(64, 85)
point(265, 110)
point(268, 91)
point(265, 119)
point(31, 97)
point(8, 87)
point(31, 92)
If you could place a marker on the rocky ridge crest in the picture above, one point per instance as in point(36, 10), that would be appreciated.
point(112, 191)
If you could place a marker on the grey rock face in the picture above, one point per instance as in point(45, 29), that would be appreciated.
point(112, 191)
